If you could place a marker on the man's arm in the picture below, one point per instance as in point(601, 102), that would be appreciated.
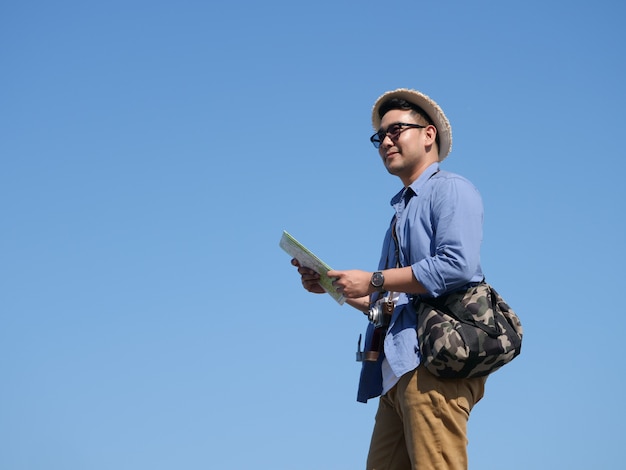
point(354, 284)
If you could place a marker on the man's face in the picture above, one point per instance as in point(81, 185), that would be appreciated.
point(404, 155)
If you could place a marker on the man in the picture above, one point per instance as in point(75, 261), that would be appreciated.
point(431, 248)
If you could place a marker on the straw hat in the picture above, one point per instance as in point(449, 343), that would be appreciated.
point(431, 108)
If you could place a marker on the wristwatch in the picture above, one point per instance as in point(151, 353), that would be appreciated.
point(378, 280)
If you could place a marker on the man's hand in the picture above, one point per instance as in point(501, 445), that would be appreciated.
point(352, 284)
point(310, 279)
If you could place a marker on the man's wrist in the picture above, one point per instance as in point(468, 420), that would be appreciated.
point(377, 281)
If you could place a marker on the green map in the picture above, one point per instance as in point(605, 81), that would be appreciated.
point(306, 258)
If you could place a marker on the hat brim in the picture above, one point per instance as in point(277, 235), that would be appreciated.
point(429, 106)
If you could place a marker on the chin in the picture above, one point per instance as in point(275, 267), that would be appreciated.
point(392, 171)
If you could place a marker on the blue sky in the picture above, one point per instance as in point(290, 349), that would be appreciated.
point(152, 153)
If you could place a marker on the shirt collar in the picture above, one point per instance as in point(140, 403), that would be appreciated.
point(418, 184)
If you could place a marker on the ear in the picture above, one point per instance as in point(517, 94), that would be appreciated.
point(430, 134)
point(430, 141)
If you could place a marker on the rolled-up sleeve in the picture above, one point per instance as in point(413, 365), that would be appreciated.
point(454, 218)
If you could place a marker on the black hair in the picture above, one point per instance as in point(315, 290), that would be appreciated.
point(399, 103)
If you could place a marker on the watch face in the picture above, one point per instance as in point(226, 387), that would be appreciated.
point(378, 279)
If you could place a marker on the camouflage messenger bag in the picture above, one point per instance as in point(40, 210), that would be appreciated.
point(469, 333)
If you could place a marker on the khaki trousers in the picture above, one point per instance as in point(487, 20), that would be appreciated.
point(421, 423)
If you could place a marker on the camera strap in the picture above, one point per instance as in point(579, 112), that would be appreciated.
point(383, 305)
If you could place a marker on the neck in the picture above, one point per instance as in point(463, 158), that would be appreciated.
point(409, 180)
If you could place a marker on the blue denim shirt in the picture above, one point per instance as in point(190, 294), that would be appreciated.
point(438, 222)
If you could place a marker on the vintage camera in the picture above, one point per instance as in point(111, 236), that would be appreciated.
point(381, 311)
point(380, 316)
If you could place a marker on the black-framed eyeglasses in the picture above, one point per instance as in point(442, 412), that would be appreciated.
point(393, 131)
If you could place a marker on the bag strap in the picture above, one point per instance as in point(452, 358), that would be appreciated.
point(460, 312)
point(394, 235)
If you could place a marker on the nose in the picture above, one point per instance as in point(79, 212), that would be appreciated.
point(385, 145)
point(387, 142)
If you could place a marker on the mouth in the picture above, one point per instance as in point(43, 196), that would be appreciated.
point(390, 155)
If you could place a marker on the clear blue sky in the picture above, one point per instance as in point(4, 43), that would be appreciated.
point(153, 152)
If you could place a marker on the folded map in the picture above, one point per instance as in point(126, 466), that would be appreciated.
point(306, 258)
